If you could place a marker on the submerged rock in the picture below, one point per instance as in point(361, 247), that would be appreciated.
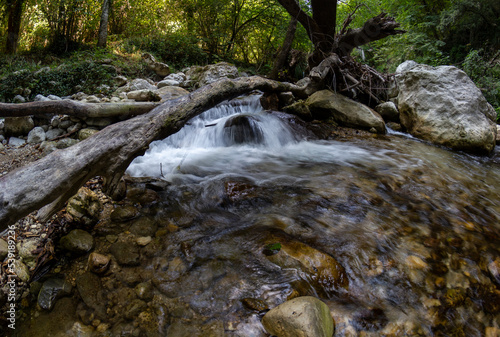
point(255, 304)
point(300, 317)
point(144, 226)
point(323, 271)
point(98, 263)
point(494, 269)
point(52, 290)
point(124, 213)
point(125, 253)
point(77, 241)
point(90, 289)
point(443, 105)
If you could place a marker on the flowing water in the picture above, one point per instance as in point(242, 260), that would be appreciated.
point(413, 228)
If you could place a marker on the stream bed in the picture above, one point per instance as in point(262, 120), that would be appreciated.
point(410, 230)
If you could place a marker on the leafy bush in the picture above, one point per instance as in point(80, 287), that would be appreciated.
point(176, 50)
point(66, 79)
point(486, 75)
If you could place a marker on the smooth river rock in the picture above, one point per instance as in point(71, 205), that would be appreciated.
point(77, 241)
point(443, 105)
point(18, 126)
point(344, 111)
point(37, 135)
point(51, 291)
point(304, 316)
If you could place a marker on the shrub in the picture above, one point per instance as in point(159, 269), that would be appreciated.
point(486, 75)
point(64, 80)
point(176, 50)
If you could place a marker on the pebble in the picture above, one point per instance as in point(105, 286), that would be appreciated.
point(51, 291)
point(144, 290)
point(255, 304)
point(98, 263)
point(492, 332)
point(93, 99)
point(494, 269)
point(4, 249)
point(21, 270)
point(144, 240)
point(414, 262)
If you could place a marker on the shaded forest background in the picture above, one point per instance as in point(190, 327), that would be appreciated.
point(248, 33)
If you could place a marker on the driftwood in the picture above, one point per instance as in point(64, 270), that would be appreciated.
point(52, 180)
point(75, 108)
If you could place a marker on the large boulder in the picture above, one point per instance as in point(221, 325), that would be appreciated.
point(198, 76)
point(18, 126)
point(143, 95)
point(443, 105)
point(37, 135)
point(344, 110)
point(137, 84)
point(161, 69)
point(170, 92)
point(300, 317)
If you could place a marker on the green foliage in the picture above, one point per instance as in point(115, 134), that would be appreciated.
point(272, 249)
point(65, 79)
point(177, 50)
point(486, 75)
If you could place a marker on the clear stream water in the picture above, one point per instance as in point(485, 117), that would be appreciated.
point(415, 227)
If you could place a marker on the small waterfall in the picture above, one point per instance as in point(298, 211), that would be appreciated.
point(233, 127)
point(237, 122)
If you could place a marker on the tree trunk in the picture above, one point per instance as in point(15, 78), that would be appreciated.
point(280, 61)
point(77, 109)
point(14, 12)
point(103, 26)
point(321, 29)
point(56, 177)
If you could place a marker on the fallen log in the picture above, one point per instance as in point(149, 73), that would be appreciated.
point(77, 109)
point(52, 180)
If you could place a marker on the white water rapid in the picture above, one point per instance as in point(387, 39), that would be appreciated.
point(208, 146)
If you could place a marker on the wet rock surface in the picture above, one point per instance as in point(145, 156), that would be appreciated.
point(443, 105)
point(302, 316)
point(417, 239)
point(77, 241)
point(52, 290)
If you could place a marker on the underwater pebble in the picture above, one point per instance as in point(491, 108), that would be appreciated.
point(491, 332)
point(98, 263)
point(143, 241)
point(414, 262)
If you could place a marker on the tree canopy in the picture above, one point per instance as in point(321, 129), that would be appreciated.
point(182, 32)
